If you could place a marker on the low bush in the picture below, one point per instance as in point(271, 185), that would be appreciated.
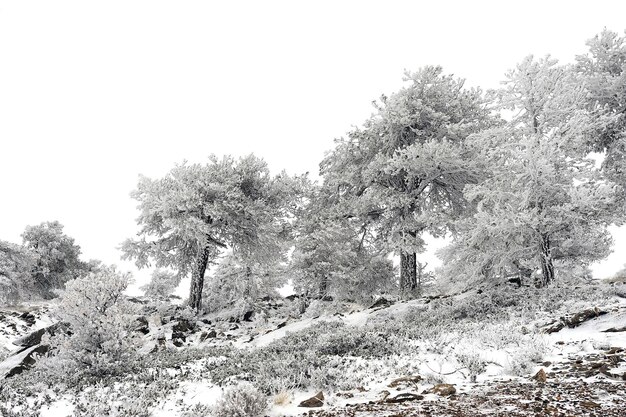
point(243, 400)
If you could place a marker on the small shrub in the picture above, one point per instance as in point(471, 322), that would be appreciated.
point(472, 362)
point(244, 400)
point(101, 341)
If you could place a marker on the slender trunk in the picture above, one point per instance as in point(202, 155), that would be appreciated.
point(547, 265)
point(323, 288)
point(197, 279)
point(408, 273)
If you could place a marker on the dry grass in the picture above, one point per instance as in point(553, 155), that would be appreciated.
point(283, 398)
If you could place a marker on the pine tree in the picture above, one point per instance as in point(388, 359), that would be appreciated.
point(196, 211)
point(57, 257)
point(544, 202)
point(403, 173)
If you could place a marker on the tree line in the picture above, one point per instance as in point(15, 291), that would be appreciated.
point(507, 174)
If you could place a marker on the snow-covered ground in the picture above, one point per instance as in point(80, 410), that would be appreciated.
point(495, 350)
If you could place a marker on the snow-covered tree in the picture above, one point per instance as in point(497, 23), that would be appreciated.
point(403, 173)
point(16, 264)
point(100, 340)
point(335, 255)
point(57, 257)
point(162, 284)
point(603, 71)
point(238, 284)
point(544, 202)
point(196, 211)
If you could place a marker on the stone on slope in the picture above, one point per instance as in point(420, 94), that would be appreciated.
point(315, 401)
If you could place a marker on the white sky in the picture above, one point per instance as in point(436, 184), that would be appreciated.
point(94, 93)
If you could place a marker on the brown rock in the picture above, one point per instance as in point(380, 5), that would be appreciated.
point(589, 404)
point(540, 376)
point(443, 389)
point(315, 401)
point(405, 380)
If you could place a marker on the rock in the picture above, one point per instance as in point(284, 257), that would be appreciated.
point(315, 401)
point(554, 327)
point(382, 302)
point(211, 334)
point(281, 325)
point(143, 326)
point(29, 318)
point(138, 300)
point(540, 376)
point(183, 326)
point(405, 380)
point(574, 320)
point(34, 338)
point(291, 297)
point(405, 396)
point(21, 361)
point(615, 330)
point(247, 316)
point(443, 389)
point(579, 318)
point(589, 404)
point(383, 396)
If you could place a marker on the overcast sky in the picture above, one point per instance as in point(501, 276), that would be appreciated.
point(94, 93)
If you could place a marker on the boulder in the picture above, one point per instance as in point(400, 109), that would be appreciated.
point(21, 361)
point(404, 397)
point(315, 401)
point(615, 330)
point(34, 338)
point(211, 334)
point(405, 380)
point(540, 376)
point(574, 320)
point(142, 325)
point(382, 302)
point(28, 317)
point(247, 316)
point(443, 390)
point(183, 326)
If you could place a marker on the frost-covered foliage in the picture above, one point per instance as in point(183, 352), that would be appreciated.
point(603, 71)
point(543, 206)
point(16, 263)
point(238, 285)
point(243, 400)
point(56, 257)
point(403, 173)
point(101, 320)
point(162, 284)
point(196, 211)
point(333, 257)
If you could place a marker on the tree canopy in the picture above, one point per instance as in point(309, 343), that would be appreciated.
point(198, 210)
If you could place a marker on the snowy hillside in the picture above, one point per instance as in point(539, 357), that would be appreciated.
point(455, 354)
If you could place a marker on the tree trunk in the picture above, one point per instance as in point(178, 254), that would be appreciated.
point(408, 273)
point(323, 288)
point(547, 265)
point(197, 279)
